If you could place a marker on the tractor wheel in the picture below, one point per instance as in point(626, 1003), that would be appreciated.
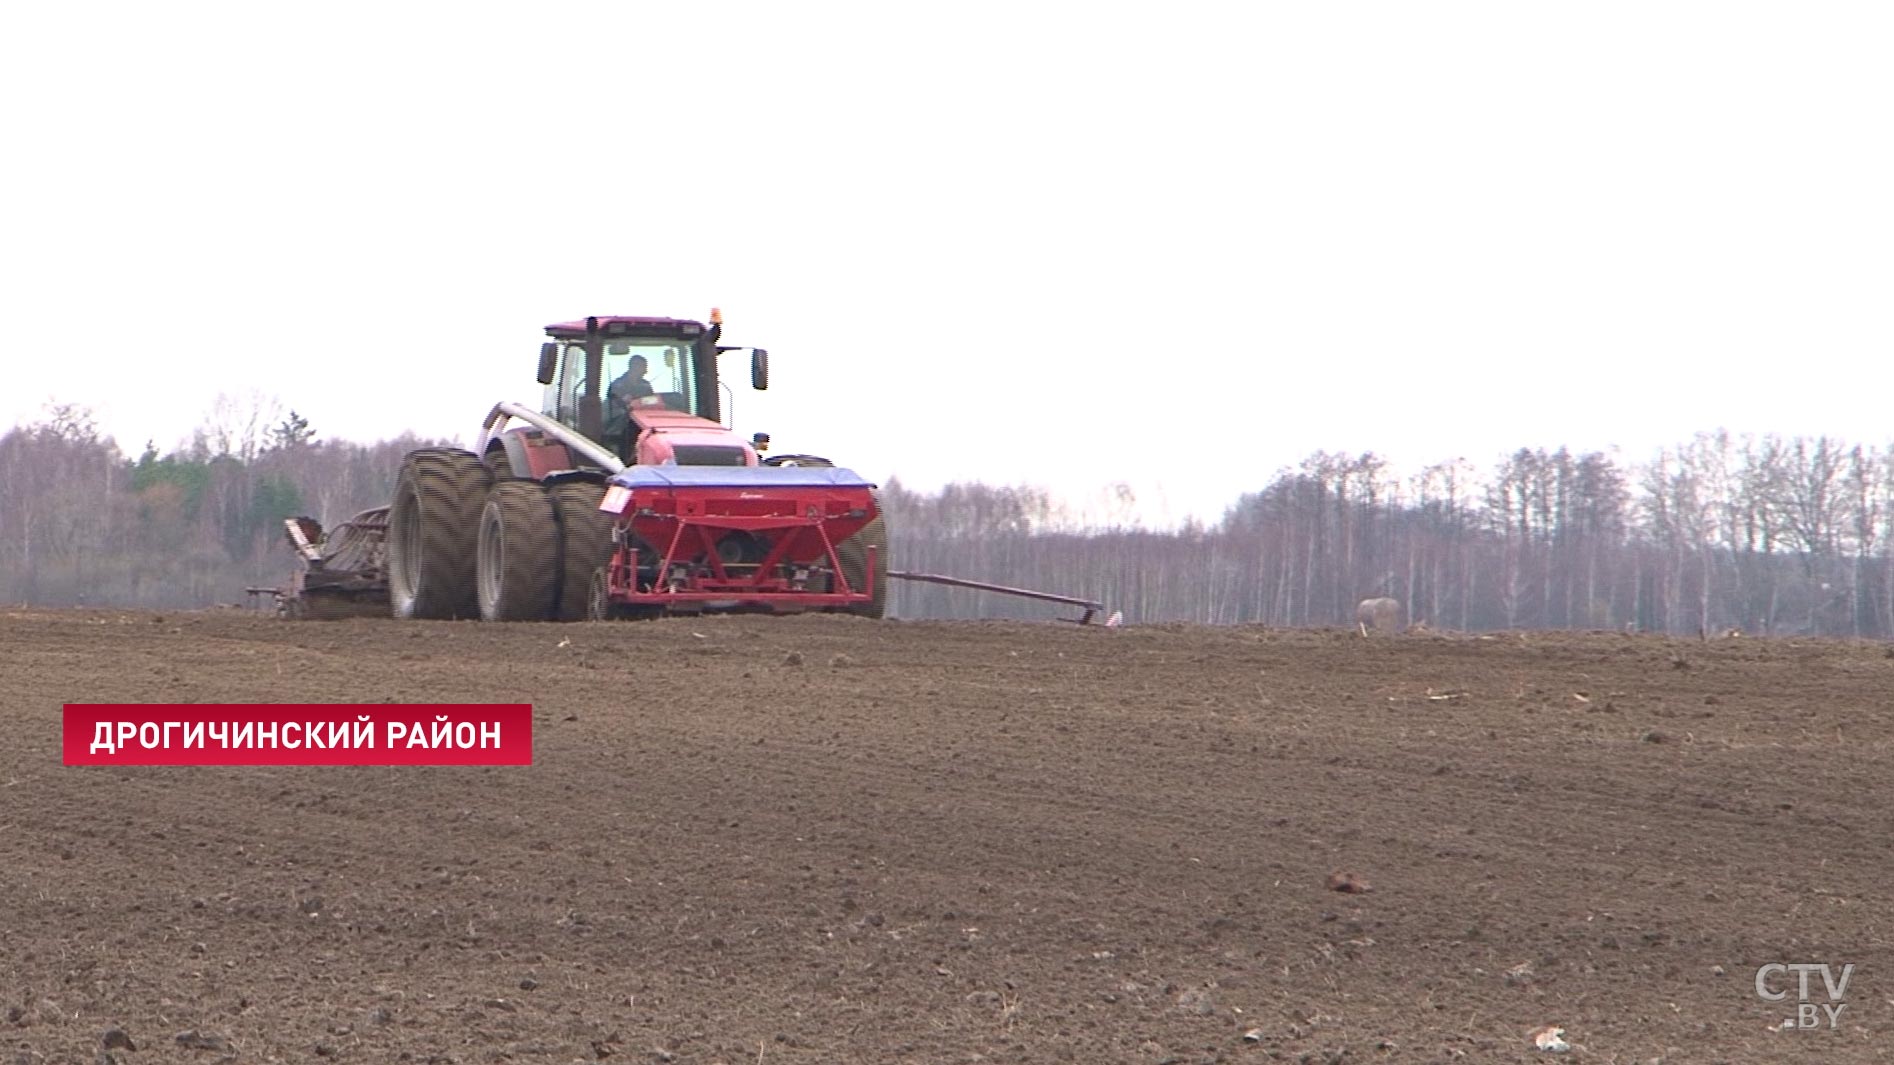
point(853, 555)
point(518, 572)
point(599, 605)
point(585, 545)
point(501, 466)
point(433, 525)
point(598, 597)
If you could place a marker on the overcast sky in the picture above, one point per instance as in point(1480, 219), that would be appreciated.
point(1176, 245)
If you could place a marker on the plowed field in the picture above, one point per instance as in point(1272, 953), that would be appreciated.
point(823, 839)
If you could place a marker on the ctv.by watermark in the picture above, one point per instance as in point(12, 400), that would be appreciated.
point(1775, 980)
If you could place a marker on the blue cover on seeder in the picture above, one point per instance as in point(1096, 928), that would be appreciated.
point(739, 477)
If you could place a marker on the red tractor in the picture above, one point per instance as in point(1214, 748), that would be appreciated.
point(623, 495)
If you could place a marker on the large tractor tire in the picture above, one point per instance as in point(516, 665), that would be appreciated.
point(585, 545)
point(518, 571)
point(433, 526)
point(852, 553)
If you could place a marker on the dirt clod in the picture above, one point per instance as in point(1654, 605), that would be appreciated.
point(196, 1040)
point(1197, 1000)
point(1348, 883)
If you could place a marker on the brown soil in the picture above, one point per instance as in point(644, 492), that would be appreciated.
point(752, 840)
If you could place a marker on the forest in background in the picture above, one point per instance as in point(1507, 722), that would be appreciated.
point(1763, 534)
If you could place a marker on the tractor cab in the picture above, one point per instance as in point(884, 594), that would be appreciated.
point(611, 378)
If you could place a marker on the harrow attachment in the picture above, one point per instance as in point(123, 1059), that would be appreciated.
point(344, 571)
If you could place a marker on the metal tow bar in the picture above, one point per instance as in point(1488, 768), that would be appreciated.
point(1091, 607)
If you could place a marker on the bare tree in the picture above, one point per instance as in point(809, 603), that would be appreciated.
point(1866, 500)
point(239, 426)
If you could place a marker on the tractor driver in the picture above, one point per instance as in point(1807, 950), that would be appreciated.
point(631, 385)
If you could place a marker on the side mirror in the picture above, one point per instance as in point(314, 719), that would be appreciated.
point(759, 368)
point(548, 362)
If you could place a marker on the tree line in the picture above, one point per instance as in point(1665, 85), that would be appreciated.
point(82, 524)
point(1762, 534)
point(1765, 534)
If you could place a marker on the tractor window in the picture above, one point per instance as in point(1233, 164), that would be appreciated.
point(635, 369)
point(638, 368)
point(568, 385)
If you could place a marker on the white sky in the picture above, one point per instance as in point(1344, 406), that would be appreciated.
point(1178, 245)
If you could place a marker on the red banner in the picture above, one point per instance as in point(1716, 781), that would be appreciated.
point(298, 734)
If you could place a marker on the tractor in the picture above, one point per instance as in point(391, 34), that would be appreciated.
point(624, 495)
